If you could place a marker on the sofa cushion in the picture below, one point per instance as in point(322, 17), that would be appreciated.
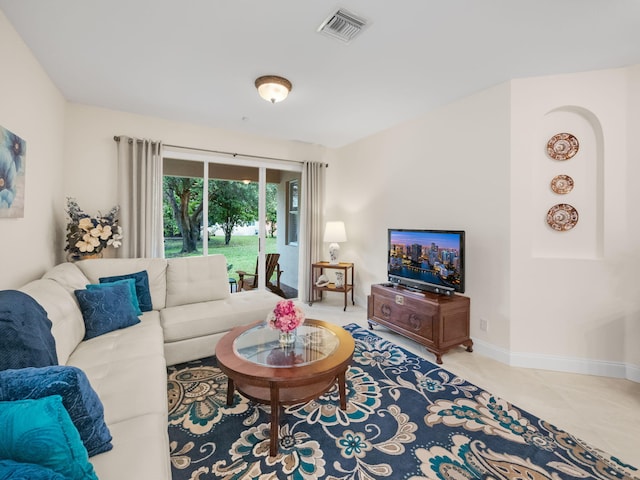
point(67, 275)
point(129, 387)
point(41, 432)
point(129, 282)
point(106, 309)
point(141, 340)
point(25, 332)
point(110, 267)
point(62, 309)
point(206, 318)
point(80, 400)
point(140, 449)
point(12, 470)
point(196, 279)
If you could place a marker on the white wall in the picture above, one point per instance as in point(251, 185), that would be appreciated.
point(632, 261)
point(565, 301)
point(90, 151)
point(570, 290)
point(446, 170)
point(32, 108)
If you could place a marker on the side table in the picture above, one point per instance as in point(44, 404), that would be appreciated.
point(318, 268)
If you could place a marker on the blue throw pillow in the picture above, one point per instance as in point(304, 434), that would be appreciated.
point(106, 310)
point(78, 397)
point(12, 470)
point(142, 287)
point(130, 282)
point(25, 332)
point(41, 432)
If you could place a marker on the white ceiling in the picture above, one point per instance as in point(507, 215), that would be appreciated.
point(196, 60)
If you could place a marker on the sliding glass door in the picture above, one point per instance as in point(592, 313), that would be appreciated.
point(243, 209)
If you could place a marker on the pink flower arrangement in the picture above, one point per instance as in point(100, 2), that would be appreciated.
point(286, 317)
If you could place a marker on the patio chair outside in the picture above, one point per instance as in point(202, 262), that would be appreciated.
point(251, 282)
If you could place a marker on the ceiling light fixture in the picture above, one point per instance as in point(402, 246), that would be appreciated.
point(273, 88)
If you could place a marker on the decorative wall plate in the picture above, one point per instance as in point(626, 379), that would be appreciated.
point(562, 184)
point(562, 217)
point(562, 146)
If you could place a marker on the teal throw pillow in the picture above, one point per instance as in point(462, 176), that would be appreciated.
point(12, 470)
point(142, 287)
point(78, 397)
point(41, 432)
point(106, 310)
point(130, 282)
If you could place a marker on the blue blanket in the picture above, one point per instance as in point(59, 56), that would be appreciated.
point(25, 332)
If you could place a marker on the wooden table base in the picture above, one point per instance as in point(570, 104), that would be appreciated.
point(276, 404)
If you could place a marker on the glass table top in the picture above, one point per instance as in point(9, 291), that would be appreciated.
point(261, 345)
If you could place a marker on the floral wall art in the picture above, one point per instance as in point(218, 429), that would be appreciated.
point(12, 168)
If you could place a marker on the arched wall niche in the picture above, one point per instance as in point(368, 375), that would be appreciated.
point(586, 168)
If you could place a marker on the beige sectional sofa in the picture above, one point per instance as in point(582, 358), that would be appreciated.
point(192, 309)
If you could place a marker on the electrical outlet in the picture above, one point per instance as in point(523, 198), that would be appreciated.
point(484, 325)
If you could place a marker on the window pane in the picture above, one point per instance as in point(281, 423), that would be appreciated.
point(292, 213)
point(182, 215)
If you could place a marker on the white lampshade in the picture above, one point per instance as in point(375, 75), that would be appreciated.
point(334, 232)
point(273, 88)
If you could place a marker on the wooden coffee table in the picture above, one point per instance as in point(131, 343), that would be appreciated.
point(262, 370)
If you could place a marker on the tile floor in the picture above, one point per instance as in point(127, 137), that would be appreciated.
point(605, 412)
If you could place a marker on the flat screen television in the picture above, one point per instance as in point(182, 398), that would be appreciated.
point(427, 260)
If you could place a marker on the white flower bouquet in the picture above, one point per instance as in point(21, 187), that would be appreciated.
point(88, 235)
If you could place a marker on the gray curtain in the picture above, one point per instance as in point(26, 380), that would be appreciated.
point(311, 223)
point(140, 197)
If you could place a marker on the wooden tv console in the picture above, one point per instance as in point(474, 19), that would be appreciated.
point(438, 322)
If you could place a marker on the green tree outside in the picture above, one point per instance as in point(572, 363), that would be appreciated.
point(231, 204)
point(272, 209)
point(183, 195)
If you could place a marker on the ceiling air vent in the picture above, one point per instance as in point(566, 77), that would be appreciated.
point(343, 25)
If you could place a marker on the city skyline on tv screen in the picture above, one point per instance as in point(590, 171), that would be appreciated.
point(444, 240)
point(427, 256)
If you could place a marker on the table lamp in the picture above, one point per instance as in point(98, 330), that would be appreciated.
point(334, 232)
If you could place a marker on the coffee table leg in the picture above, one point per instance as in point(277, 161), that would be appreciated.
point(275, 421)
point(342, 388)
point(230, 389)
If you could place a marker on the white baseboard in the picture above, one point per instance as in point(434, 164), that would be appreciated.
point(559, 363)
point(491, 351)
point(633, 373)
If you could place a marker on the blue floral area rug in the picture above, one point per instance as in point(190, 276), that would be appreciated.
point(406, 418)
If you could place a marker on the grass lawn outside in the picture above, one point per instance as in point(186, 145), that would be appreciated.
point(241, 253)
